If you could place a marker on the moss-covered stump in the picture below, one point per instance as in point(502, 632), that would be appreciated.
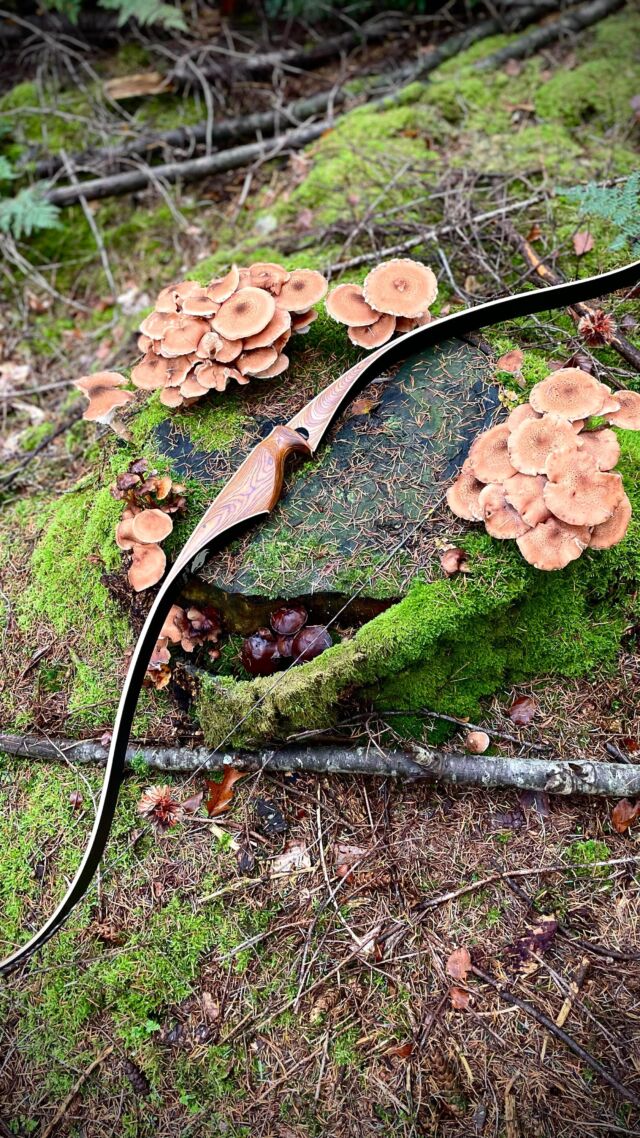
point(448, 643)
point(381, 474)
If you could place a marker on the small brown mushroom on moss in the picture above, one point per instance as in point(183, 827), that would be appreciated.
point(268, 275)
point(288, 621)
point(124, 531)
point(151, 373)
point(151, 526)
point(147, 566)
point(373, 335)
point(569, 392)
point(500, 518)
point(577, 492)
point(532, 441)
point(628, 415)
point(401, 287)
point(489, 455)
point(104, 391)
point(609, 533)
point(259, 653)
point(346, 303)
point(553, 544)
point(463, 496)
point(525, 493)
point(304, 288)
point(221, 289)
point(245, 313)
point(310, 642)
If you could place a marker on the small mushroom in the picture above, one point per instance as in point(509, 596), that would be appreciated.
point(553, 544)
point(301, 321)
point(147, 567)
point(346, 303)
point(104, 393)
point(171, 397)
point(175, 625)
point(611, 401)
point(279, 323)
point(124, 531)
point(183, 337)
point(463, 496)
point(228, 351)
point(569, 392)
point(401, 287)
point(520, 415)
point(310, 642)
point(221, 289)
point(200, 304)
point(260, 360)
point(476, 742)
point(269, 275)
point(213, 376)
point(151, 373)
point(373, 335)
point(157, 324)
point(304, 288)
point(454, 560)
point(533, 440)
point(281, 364)
point(602, 446)
point(577, 492)
point(525, 493)
point(489, 455)
point(500, 518)
point(245, 313)
point(609, 533)
point(151, 526)
point(259, 653)
point(288, 621)
point(191, 389)
point(628, 416)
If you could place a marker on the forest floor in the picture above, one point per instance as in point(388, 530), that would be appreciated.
point(291, 980)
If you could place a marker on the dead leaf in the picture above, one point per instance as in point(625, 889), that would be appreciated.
point(193, 804)
point(293, 859)
point(401, 1050)
point(583, 242)
point(579, 359)
point(537, 941)
point(135, 86)
point(459, 998)
point(210, 1007)
point(535, 233)
point(221, 793)
point(624, 814)
point(459, 963)
point(511, 361)
point(363, 406)
point(522, 710)
point(471, 284)
point(347, 855)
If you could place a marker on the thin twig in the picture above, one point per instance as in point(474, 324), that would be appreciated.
point(75, 1090)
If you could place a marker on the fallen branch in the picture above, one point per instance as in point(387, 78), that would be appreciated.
point(565, 26)
point(557, 776)
point(75, 1090)
point(617, 341)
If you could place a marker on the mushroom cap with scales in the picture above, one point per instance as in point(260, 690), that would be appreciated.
point(245, 313)
point(489, 455)
point(304, 288)
point(533, 440)
point(577, 492)
point(501, 519)
point(602, 446)
point(520, 414)
point(628, 416)
point(346, 303)
point(553, 544)
point(464, 494)
point(147, 566)
point(613, 530)
point(569, 392)
point(525, 493)
point(401, 287)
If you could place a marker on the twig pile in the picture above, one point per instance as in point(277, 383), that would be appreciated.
point(396, 297)
point(149, 500)
point(198, 337)
point(540, 479)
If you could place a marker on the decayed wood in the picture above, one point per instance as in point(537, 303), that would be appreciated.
point(557, 776)
point(566, 26)
point(618, 342)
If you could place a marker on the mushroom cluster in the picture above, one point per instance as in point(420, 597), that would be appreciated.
point(395, 297)
point(198, 338)
point(189, 628)
point(544, 481)
point(290, 639)
point(149, 500)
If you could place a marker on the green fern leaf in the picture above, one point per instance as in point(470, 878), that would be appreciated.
point(6, 169)
point(146, 12)
point(619, 205)
point(28, 211)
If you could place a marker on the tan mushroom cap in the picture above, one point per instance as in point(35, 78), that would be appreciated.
point(463, 496)
point(577, 492)
point(147, 567)
point(213, 376)
point(171, 397)
point(167, 300)
point(629, 414)
point(525, 493)
point(208, 345)
point(179, 369)
point(611, 401)
point(151, 526)
point(221, 289)
point(531, 443)
point(200, 304)
point(602, 446)
point(183, 336)
point(489, 456)
point(346, 303)
point(500, 518)
point(520, 415)
point(304, 288)
point(191, 389)
point(569, 392)
point(104, 394)
point(124, 533)
point(174, 626)
point(151, 373)
point(157, 324)
point(269, 275)
point(280, 364)
point(553, 544)
point(251, 363)
point(247, 312)
point(145, 343)
point(401, 287)
point(373, 335)
point(613, 530)
point(300, 321)
point(228, 351)
point(279, 324)
point(476, 742)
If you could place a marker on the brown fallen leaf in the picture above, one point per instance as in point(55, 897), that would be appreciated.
point(583, 242)
point(536, 941)
point(459, 998)
point(511, 361)
point(535, 233)
point(624, 814)
point(522, 710)
point(293, 859)
point(193, 804)
point(221, 793)
point(459, 963)
point(363, 406)
point(401, 1050)
point(134, 86)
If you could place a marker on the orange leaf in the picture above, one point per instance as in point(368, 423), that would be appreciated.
point(459, 998)
point(624, 814)
point(221, 793)
point(402, 1050)
point(459, 963)
point(583, 242)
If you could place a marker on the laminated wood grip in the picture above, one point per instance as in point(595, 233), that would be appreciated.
point(253, 490)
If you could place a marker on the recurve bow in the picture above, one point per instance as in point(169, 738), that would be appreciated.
point(251, 493)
